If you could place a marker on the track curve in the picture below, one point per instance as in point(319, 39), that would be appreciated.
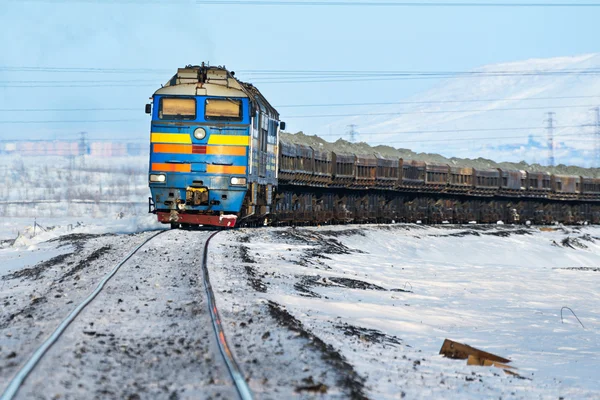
point(234, 370)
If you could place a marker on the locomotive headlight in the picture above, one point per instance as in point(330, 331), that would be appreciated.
point(200, 133)
point(158, 178)
point(238, 181)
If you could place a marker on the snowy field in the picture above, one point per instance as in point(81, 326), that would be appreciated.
point(56, 187)
point(44, 197)
point(386, 297)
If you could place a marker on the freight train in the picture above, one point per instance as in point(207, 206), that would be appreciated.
point(218, 158)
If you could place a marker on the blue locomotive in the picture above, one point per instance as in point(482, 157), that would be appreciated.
point(213, 149)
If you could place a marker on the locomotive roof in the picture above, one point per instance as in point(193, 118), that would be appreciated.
point(204, 80)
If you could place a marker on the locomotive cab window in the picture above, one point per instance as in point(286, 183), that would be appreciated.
point(177, 108)
point(223, 109)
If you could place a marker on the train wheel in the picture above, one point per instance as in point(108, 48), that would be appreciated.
point(174, 225)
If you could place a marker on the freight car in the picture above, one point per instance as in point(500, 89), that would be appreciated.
point(379, 190)
point(216, 158)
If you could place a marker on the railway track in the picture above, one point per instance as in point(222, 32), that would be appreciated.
point(237, 378)
point(234, 370)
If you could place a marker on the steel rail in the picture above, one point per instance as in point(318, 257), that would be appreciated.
point(20, 377)
point(234, 370)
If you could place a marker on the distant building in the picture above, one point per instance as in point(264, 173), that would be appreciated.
point(65, 148)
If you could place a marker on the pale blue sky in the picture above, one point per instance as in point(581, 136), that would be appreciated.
point(170, 35)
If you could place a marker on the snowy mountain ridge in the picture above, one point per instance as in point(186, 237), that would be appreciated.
point(496, 111)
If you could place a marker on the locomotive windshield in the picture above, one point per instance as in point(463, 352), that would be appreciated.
point(177, 108)
point(223, 109)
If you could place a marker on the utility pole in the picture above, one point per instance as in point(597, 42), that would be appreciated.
point(82, 147)
point(550, 128)
point(597, 138)
point(352, 132)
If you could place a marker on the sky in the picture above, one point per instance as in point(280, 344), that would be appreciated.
point(146, 41)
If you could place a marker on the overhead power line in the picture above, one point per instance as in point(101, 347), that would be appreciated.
point(70, 121)
point(306, 116)
point(341, 3)
point(419, 132)
point(278, 74)
point(95, 81)
point(435, 112)
point(474, 139)
point(267, 74)
point(458, 101)
point(432, 102)
point(90, 85)
point(396, 4)
point(264, 77)
point(65, 109)
point(325, 71)
point(386, 79)
point(85, 70)
point(283, 76)
point(155, 84)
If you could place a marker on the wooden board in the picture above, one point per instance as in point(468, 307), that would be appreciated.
point(461, 351)
point(484, 362)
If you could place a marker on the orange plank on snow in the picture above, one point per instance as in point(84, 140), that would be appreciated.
point(168, 167)
point(459, 351)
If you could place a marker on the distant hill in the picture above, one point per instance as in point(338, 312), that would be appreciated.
point(501, 116)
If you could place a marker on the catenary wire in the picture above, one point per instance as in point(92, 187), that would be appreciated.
point(323, 105)
point(475, 139)
point(439, 111)
point(412, 74)
point(64, 109)
point(341, 3)
point(70, 121)
point(279, 80)
point(353, 104)
point(433, 102)
point(272, 73)
point(91, 85)
point(404, 133)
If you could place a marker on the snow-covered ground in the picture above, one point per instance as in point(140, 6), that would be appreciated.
point(386, 297)
point(35, 230)
point(147, 334)
point(321, 312)
point(25, 242)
